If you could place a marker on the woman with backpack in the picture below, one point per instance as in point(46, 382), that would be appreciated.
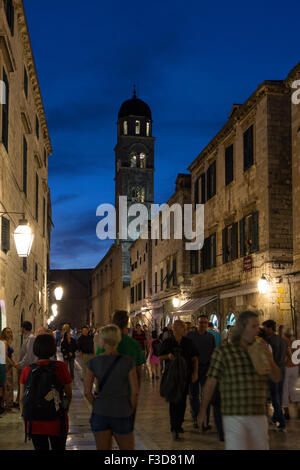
point(155, 345)
point(68, 349)
point(45, 397)
point(116, 402)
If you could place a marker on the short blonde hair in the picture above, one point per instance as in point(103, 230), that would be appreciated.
point(111, 335)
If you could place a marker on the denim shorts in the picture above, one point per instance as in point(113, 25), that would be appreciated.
point(121, 426)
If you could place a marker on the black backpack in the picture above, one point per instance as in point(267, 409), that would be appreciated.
point(174, 379)
point(43, 397)
point(156, 346)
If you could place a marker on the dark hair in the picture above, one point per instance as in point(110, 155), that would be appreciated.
point(241, 324)
point(27, 325)
point(154, 334)
point(202, 316)
point(262, 333)
point(44, 346)
point(270, 324)
point(120, 319)
point(85, 327)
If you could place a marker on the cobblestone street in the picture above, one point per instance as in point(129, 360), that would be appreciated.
point(152, 425)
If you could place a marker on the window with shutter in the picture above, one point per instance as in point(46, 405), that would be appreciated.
point(25, 165)
point(155, 283)
point(132, 295)
point(161, 279)
point(174, 272)
point(202, 184)
point(37, 127)
point(196, 192)
point(25, 82)
point(144, 289)
point(211, 181)
point(242, 237)
point(10, 15)
point(254, 232)
point(5, 235)
point(230, 243)
point(5, 112)
point(193, 262)
point(248, 148)
point(228, 165)
point(36, 197)
point(44, 216)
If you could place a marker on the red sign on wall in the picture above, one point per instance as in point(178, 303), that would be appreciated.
point(247, 265)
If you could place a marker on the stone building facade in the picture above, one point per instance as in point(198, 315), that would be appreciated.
point(24, 150)
point(108, 291)
point(171, 262)
point(140, 281)
point(244, 178)
point(75, 306)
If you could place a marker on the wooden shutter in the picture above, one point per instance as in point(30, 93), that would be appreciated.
point(224, 245)
point(248, 148)
point(214, 250)
point(196, 192)
point(202, 182)
point(228, 165)
point(5, 110)
point(36, 197)
point(208, 183)
point(5, 234)
point(254, 232)
point(234, 241)
point(25, 166)
point(242, 237)
point(214, 179)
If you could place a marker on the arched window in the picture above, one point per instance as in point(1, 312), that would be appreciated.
point(147, 129)
point(138, 194)
point(137, 127)
point(125, 128)
point(142, 160)
point(133, 160)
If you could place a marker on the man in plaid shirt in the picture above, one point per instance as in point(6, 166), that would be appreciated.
point(243, 391)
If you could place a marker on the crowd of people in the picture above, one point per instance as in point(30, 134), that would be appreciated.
point(230, 378)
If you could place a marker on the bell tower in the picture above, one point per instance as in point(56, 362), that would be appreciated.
point(134, 165)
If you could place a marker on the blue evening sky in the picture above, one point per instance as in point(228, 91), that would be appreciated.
point(191, 61)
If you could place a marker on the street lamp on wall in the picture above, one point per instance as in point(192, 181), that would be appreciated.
point(263, 285)
point(176, 302)
point(23, 235)
point(58, 292)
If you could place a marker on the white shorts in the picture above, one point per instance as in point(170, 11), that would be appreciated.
point(246, 432)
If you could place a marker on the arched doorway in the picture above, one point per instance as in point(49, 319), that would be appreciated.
point(214, 319)
point(230, 319)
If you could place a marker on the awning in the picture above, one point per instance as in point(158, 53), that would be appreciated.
point(242, 290)
point(194, 304)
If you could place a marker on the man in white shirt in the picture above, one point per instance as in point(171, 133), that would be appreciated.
point(26, 354)
point(2, 372)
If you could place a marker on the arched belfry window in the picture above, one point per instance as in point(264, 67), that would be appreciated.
point(133, 160)
point(142, 160)
point(147, 129)
point(137, 127)
point(125, 127)
point(138, 194)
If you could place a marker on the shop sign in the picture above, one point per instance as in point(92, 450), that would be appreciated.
point(247, 263)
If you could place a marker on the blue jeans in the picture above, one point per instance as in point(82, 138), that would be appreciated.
point(195, 389)
point(276, 392)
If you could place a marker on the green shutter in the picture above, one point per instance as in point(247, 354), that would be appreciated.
point(224, 245)
point(242, 237)
point(5, 234)
point(234, 241)
point(254, 232)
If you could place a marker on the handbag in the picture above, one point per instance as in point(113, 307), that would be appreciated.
point(108, 372)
